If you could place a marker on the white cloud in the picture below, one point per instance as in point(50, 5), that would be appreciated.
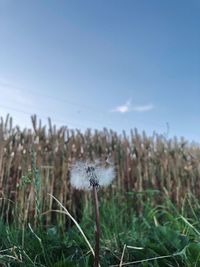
point(127, 107)
point(123, 108)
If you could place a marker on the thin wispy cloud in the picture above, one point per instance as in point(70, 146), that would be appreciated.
point(143, 108)
point(127, 107)
point(14, 95)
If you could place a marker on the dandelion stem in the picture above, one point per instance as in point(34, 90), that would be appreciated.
point(97, 228)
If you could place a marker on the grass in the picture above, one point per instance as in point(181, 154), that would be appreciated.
point(160, 235)
point(138, 226)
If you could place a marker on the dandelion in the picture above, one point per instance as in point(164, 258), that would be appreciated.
point(87, 175)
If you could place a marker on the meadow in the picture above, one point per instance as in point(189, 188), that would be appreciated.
point(149, 215)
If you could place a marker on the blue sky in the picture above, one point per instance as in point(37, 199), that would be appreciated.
point(113, 63)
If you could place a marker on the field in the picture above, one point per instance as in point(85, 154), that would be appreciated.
point(149, 215)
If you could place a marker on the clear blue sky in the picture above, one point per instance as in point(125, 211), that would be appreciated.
point(119, 64)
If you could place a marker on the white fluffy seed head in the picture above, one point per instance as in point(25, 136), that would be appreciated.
point(84, 175)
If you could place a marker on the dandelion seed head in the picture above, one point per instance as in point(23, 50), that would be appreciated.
point(85, 175)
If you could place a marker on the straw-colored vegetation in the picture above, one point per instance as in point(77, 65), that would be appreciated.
point(141, 162)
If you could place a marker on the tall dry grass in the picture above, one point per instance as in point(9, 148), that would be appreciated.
point(142, 162)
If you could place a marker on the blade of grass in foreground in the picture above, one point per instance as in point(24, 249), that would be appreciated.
point(150, 259)
point(190, 225)
point(75, 222)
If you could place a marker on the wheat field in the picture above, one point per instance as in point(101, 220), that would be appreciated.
point(142, 163)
